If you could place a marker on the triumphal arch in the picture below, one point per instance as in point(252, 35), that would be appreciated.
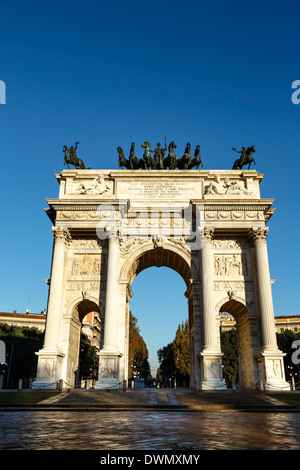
point(208, 225)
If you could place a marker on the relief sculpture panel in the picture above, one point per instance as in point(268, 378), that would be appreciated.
point(86, 265)
point(230, 265)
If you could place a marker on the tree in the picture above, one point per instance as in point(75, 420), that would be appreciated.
point(229, 346)
point(284, 342)
point(88, 359)
point(175, 357)
point(21, 344)
point(181, 348)
point(138, 353)
point(166, 359)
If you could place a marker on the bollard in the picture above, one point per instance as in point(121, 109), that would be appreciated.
point(59, 384)
point(293, 383)
point(261, 384)
point(124, 385)
point(20, 384)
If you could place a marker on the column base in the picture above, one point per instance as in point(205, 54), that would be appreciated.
point(49, 369)
point(211, 370)
point(108, 375)
point(271, 370)
point(213, 384)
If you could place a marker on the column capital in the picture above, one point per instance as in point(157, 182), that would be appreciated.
point(112, 233)
point(61, 234)
point(258, 234)
point(207, 233)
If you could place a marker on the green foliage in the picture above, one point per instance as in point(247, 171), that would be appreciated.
point(21, 344)
point(138, 364)
point(181, 348)
point(167, 361)
point(88, 358)
point(284, 342)
point(175, 357)
point(229, 346)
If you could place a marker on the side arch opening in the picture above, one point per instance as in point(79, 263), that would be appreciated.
point(240, 313)
point(84, 316)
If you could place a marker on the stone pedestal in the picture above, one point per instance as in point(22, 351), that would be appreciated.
point(49, 370)
point(271, 370)
point(108, 370)
point(211, 371)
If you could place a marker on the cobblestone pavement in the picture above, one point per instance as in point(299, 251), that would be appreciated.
point(142, 430)
point(146, 396)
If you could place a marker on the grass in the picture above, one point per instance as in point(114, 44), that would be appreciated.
point(20, 397)
point(286, 397)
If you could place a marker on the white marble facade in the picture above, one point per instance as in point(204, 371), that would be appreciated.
point(210, 226)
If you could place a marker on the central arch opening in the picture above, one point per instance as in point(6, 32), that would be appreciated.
point(159, 305)
point(159, 281)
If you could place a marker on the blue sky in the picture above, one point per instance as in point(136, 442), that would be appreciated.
point(217, 74)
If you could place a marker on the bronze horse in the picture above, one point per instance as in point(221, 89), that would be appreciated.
point(183, 163)
point(196, 161)
point(71, 157)
point(134, 163)
point(246, 158)
point(123, 162)
point(170, 161)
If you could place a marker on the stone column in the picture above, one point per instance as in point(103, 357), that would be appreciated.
point(61, 237)
point(112, 286)
point(211, 356)
point(269, 358)
point(259, 236)
point(209, 320)
point(109, 354)
point(50, 357)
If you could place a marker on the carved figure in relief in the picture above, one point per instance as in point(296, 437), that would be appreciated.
point(226, 265)
point(97, 187)
point(235, 187)
point(276, 368)
point(75, 267)
point(107, 369)
point(86, 265)
point(226, 187)
point(227, 243)
point(215, 187)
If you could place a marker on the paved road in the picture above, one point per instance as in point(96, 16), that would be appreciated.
point(125, 430)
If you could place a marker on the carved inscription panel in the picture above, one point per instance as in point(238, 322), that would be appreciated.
point(160, 189)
